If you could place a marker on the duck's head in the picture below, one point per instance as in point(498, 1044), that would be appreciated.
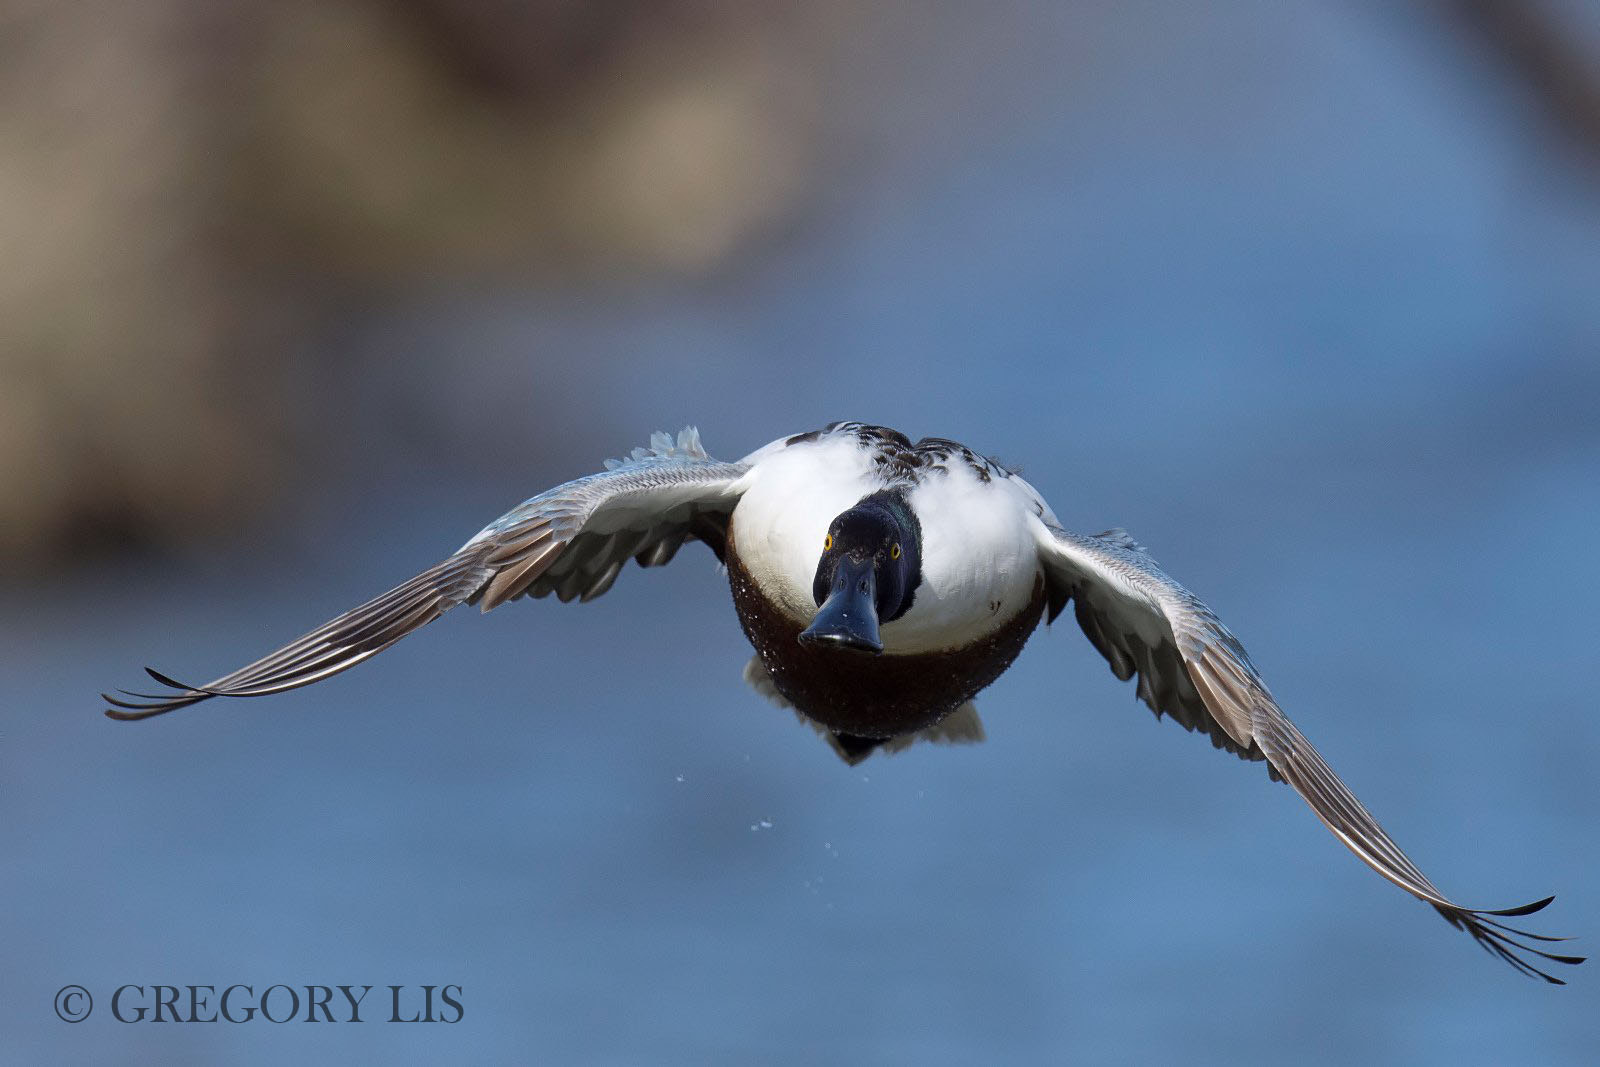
point(870, 568)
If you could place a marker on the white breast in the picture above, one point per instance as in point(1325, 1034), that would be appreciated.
point(979, 559)
point(795, 492)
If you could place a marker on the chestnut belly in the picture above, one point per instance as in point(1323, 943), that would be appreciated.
point(873, 696)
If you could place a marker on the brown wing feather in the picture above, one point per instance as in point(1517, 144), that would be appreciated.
point(648, 508)
point(336, 645)
point(1192, 668)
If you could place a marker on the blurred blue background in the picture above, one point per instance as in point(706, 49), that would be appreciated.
point(300, 296)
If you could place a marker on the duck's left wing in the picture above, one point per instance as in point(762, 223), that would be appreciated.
point(1192, 668)
point(571, 540)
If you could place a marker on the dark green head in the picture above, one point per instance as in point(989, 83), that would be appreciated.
point(870, 568)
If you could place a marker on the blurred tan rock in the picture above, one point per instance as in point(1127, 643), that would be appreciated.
point(370, 148)
point(111, 401)
point(187, 187)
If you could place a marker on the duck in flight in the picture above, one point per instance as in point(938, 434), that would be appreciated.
point(883, 584)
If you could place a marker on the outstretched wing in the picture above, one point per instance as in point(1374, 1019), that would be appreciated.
point(571, 541)
point(1192, 668)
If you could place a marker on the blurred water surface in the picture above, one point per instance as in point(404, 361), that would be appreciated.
point(1293, 293)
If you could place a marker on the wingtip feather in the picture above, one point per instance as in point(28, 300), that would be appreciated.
point(164, 680)
point(1526, 909)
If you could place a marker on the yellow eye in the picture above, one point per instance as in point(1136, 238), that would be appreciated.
point(827, 542)
point(894, 551)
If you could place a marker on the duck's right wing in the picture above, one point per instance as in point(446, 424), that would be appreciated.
point(571, 540)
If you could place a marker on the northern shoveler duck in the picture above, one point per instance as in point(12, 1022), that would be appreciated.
point(883, 584)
